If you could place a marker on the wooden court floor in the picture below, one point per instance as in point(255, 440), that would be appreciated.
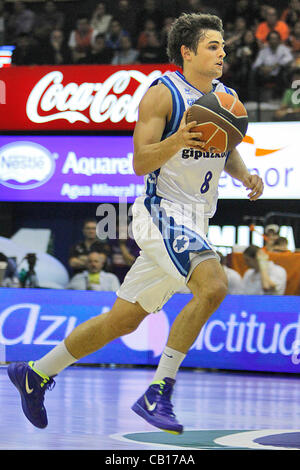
point(89, 409)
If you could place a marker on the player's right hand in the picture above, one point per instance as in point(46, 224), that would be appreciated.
point(187, 137)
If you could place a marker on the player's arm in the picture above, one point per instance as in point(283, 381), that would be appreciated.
point(150, 153)
point(236, 168)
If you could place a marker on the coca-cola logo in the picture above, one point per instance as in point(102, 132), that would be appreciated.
point(50, 99)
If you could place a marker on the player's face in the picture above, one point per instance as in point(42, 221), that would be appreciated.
point(209, 59)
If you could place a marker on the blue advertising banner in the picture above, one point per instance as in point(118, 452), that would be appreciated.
point(68, 169)
point(253, 333)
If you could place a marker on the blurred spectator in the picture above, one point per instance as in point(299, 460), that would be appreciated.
point(264, 276)
point(8, 272)
point(289, 109)
point(79, 251)
point(3, 22)
point(56, 51)
point(124, 251)
point(150, 11)
point(270, 66)
point(142, 39)
point(49, 18)
point(280, 245)
point(233, 277)
point(25, 52)
point(100, 20)
point(28, 277)
point(125, 12)
point(81, 39)
point(114, 35)
point(94, 277)
point(152, 53)
point(126, 54)
point(192, 6)
point(242, 64)
point(20, 21)
point(236, 38)
point(292, 13)
point(271, 233)
point(294, 39)
point(99, 52)
point(240, 8)
point(272, 23)
point(167, 23)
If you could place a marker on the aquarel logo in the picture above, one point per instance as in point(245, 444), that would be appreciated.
point(25, 165)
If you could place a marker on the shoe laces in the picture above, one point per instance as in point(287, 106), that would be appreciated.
point(46, 384)
point(49, 384)
point(165, 392)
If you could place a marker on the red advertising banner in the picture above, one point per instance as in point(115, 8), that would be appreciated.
point(74, 98)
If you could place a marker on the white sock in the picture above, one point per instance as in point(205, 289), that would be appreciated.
point(55, 361)
point(169, 364)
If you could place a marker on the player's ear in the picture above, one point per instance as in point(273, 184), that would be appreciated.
point(185, 52)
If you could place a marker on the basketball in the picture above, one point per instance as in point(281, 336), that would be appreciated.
point(222, 119)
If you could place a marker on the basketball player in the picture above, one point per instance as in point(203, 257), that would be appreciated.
point(174, 249)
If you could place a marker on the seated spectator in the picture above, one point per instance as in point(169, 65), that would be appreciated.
point(125, 13)
point(149, 27)
point(240, 8)
point(152, 53)
point(150, 10)
point(20, 21)
point(272, 23)
point(81, 39)
point(289, 109)
point(294, 39)
point(291, 14)
point(3, 22)
point(114, 35)
point(79, 251)
point(99, 52)
point(94, 277)
point(280, 245)
point(271, 66)
point(233, 277)
point(56, 51)
point(49, 18)
point(271, 234)
point(168, 21)
point(124, 252)
point(264, 276)
point(8, 272)
point(100, 20)
point(25, 52)
point(126, 54)
point(242, 64)
point(28, 277)
point(235, 39)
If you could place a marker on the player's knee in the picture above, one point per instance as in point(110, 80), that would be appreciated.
point(124, 325)
point(213, 293)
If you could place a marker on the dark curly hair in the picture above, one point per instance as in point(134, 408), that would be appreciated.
point(187, 30)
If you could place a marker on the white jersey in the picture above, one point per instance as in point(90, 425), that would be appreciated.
point(190, 176)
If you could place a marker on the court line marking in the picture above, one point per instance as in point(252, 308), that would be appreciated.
point(122, 438)
point(246, 439)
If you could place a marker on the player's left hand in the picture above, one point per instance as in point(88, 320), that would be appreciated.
point(255, 184)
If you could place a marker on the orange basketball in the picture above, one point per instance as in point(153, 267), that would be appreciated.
point(222, 119)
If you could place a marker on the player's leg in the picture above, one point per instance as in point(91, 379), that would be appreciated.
point(90, 336)
point(209, 287)
point(34, 378)
point(208, 284)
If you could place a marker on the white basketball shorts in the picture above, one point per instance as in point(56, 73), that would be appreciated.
point(172, 244)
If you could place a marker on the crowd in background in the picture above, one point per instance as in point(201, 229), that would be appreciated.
point(262, 40)
point(263, 59)
point(101, 265)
